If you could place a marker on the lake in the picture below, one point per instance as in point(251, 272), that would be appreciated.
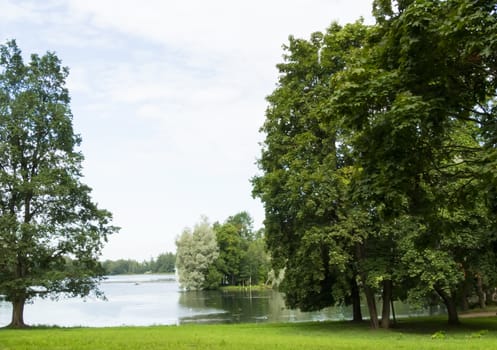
point(143, 300)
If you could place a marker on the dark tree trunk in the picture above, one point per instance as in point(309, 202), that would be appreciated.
point(373, 313)
point(18, 313)
point(464, 303)
point(387, 298)
point(356, 301)
point(450, 304)
point(452, 312)
point(466, 290)
point(393, 312)
point(370, 298)
point(481, 294)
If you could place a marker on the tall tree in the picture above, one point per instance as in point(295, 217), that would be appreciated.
point(51, 233)
point(195, 254)
point(417, 104)
point(306, 168)
point(232, 249)
point(234, 237)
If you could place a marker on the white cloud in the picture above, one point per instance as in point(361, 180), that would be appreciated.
point(18, 11)
point(221, 24)
point(169, 97)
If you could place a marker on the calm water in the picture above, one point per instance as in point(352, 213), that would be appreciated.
point(142, 300)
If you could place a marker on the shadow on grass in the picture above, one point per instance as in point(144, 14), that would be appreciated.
point(39, 326)
point(415, 326)
point(430, 325)
point(418, 326)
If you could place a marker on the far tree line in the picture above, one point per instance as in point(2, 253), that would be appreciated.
point(231, 253)
point(164, 263)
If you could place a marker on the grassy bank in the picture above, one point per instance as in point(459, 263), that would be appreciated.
point(253, 288)
point(475, 333)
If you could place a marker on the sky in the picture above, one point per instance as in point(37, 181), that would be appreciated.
point(169, 97)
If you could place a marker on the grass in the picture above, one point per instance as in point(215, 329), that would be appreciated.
point(253, 288)
point(427, 333)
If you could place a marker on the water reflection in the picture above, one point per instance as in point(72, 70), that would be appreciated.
point(265, 306)
point(142, 300)
point(242, 306)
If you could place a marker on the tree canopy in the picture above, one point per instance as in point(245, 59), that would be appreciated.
point(196, 250)
point(242, 255)
point(378, 167)
point(51, 233)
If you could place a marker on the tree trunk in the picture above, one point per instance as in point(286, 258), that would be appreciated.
point(481, 294)
point(356, 301)
point(370, 299)
point(450, 304)
point(465, 291)
point(373, 313)
point(393, 312)
point(18, 313)
point(464, 303)
point(452, 312)
point(387, 298)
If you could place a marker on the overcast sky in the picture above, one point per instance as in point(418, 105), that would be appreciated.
point(168, 97)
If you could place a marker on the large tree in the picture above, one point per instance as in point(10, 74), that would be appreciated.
point(420, 106)
point(307, 167)
point(51, 233)
point(379, 159)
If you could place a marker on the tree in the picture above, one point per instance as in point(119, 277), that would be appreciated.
point(380, 154)
point(196, 251)
point(242, 256)
point(231, 252)
point(233, 238)
point(417, 104)
point(307, 166)
point(165, 263)
point(51, 233)
point(256, 264)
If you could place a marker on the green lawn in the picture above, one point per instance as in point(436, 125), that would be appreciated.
point(477, 333)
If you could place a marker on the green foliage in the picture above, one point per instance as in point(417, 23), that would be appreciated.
point(227, 254)
point(307, 169)
point(164, 263)
point(51, 233)
point(242, 254)
point(124, 266)
point(257, 261)
point(380, 154)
